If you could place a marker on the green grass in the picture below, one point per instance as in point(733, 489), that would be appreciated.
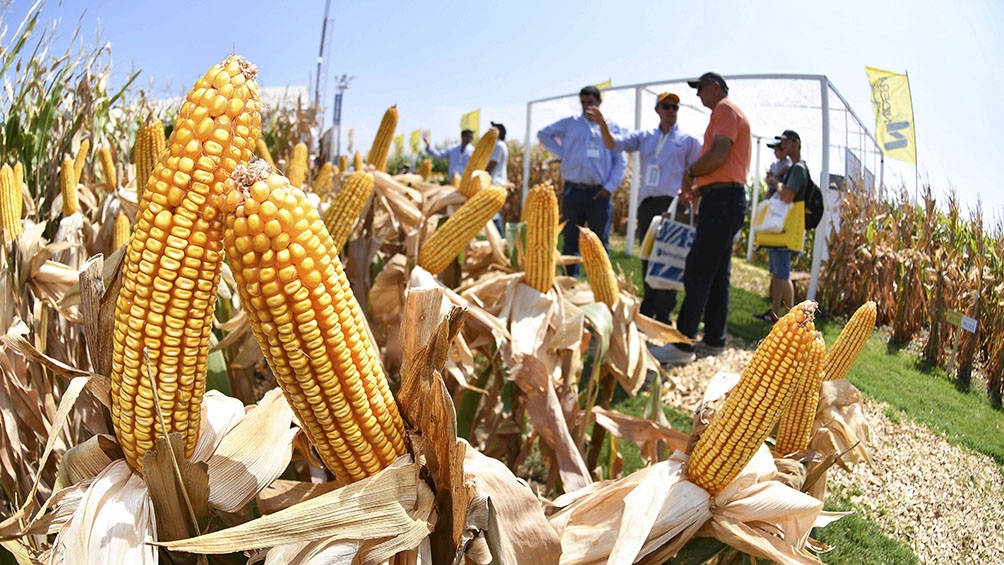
point(911, 389)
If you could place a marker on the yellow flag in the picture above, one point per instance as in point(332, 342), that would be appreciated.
point(470, 121)
point(413, 145)
point(399, 144)
point(894, 127)
point(604, 85)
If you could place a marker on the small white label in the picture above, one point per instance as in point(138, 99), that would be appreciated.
point(969, 324)
point(593, 150)
point(652, 175)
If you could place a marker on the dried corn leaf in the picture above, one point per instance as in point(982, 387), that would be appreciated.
point(178, 506)
point(86, 460)
point(639, 430)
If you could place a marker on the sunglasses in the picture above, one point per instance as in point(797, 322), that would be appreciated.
point(668, 106)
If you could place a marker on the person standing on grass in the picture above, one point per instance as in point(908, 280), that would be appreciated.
point(591, 171)
point(719, 176)
point(458, 155)
point(780, 246)
point(665, 153)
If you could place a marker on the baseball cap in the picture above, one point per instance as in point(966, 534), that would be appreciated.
point(500, 127)
point(664, 96)
point(709, 77)
point(775, 143)
point(790, 135)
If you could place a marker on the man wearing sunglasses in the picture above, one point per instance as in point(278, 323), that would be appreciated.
point(665, 153)
point(717, 180)
point(591, 172)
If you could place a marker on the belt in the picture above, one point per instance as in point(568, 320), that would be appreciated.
point(717, 185)
point(582, 186)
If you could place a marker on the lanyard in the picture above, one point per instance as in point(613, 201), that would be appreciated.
point(663, 137)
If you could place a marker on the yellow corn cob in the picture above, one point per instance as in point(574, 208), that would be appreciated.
point(425, 169)
point(120, 233)
point(68, 187)
point(108, 167)
point(795, 427)
point(309, 325)
point(349, 202)
point(598, 268)
point(11, 200)
point(150, 143)
point(78, 161)
point(479, 159)
point(850, 342)
point(540, 212)
point(357, 161)
point(261, 150)
point(755, 404)
point(322, 184)
point(381, 143)
point(343, 163)
point(453, 236)
point(297, 170)
point(164, 313)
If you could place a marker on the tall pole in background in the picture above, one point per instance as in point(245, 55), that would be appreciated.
point(343, 85)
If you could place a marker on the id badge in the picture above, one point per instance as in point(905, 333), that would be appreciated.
point(652, 175)
point(593, 149)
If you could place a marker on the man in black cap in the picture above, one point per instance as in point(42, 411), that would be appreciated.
point(780, 246)
point(498, 168)
point(777, 170)
point(718, 181)
point(458, 155)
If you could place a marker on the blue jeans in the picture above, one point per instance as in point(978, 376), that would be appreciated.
point(709, 263)
point(779, 260)
point(581, 207)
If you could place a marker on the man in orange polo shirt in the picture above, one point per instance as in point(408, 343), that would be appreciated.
point(719, 175)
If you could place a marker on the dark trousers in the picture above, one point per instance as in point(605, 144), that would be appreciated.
point(581, 207)
point(656, 303)
point(709, 263)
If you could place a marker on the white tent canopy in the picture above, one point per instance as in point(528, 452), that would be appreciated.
point(835, 142)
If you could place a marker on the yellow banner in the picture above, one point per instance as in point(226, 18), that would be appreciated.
point(894, 126)
point(415, 139)
point(470, 121)
point(398, 145)
point(604, 85)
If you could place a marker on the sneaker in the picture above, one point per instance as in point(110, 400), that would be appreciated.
point(709, 350)
point(670, 354)
point(768, 316)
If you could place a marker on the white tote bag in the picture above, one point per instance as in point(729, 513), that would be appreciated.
point(770, 215)
point(671, 242)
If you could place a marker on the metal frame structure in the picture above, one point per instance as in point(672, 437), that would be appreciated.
point(825, 227)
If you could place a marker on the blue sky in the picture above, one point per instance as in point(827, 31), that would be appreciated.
point(438, 60)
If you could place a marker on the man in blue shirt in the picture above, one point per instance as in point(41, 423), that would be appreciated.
point(458, 155)
point(665, 153)
point(591, 171)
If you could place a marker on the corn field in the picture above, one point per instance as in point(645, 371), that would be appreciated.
point(216, 348)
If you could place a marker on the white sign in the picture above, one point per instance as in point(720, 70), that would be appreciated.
point(969, 324)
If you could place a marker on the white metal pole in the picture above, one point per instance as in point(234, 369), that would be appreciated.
point(825, 226)
point(635, 180)
point(755, 201)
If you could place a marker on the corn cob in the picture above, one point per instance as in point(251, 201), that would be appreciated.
point(120, 233)
point(850, 342)
point(540, 213)
point(453, 236)
point(108, 167)
point(297, 170)
point(150, 143)
point(81, 157)
point(68, 187)
point(164, 313)
point(11, 200)
point(795, 427)
point(479, 160)
point(261, 150)
point(425, 169)
point(357, 161)
point(309, 325)
point(341, 216)
point(322, 183)
point(755, 404)
point(343, 164)
point(598, 268)
point(381, 143)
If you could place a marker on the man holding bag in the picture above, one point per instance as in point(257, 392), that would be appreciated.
point(665, 153)
point(780, 246)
